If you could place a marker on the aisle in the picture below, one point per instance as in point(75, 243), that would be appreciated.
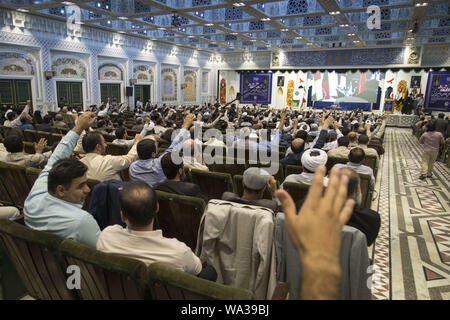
point(412, 251)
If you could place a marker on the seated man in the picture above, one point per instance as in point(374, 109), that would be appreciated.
point(311, 159)
point(341, 151)
point(14, 146)
point(55, 201)
point(13, 119)
point(138, 207)
point(26, 122)
point(353, 139)
point(175, 180)
point(139, 124)
point(122, 135)
point(59, 122)
point(148, 167)
point(297, 147)
point(46, 125)
point(355, 157)
point(255, 181)
point(363, 142)
point(366, 220)
point(105, 167)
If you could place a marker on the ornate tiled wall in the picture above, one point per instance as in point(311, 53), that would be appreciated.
point(44, 38)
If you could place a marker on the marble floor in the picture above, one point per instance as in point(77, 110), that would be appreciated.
point(412, 252)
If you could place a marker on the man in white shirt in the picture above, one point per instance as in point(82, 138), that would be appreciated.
point(122, 135)
point(355, 157)
point(105, 167)
point(12, 119)
point(139, 205)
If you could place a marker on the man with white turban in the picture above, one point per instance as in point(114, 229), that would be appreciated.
point(311, 159)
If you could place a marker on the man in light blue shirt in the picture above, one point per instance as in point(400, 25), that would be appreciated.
point(55, 201)
point(148, 167)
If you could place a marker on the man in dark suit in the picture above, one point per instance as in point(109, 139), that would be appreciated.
point(297, 147)
point(174, 182)
point(442, 124)
point(46, 125)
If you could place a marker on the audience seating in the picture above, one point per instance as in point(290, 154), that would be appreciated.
point(291, 169)
point(371, 162)
point(91, 183)
point(15, 181)
point(28, 147)
point(32, 175)
point(30, 135)
point(179, 217)
point(45, 135)
point(366, 193)
point(109, 137)
point(116, 149)
point(167, 283)
point(37, 261)
point(298, 191)
point(212, 184)
point(105, 276)
point(233, 169)
point(332, 161)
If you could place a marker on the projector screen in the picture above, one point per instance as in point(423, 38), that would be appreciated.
point(346, 87)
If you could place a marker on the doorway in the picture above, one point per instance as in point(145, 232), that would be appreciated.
point(70, 94)
point(111, 91)
point(15, 92)
point(142, 91)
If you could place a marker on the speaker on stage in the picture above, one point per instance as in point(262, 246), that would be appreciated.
point(129, 91)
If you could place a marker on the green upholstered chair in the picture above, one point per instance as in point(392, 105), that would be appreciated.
point(32, 175)
point(116, 149)
point(45, 135)
point(124, 174)
point(15, 181)
point(5, 198)
point(366, 193)
point(56, 137)
point(109, 137)
point(212, 184)
point(36, 258)
point(233, 169)
point(30, 135)
point(239, 187)
point(371, 162)
point(28, 147)
point(105, 276)
point(333, 160)
point(167, 283)
point(298, 191)
point(179, 217)
point(291, 169)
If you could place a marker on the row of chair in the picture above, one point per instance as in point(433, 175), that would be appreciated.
point(52, 268)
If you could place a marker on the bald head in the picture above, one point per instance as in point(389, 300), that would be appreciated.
point(138, 203)
point(298, 145)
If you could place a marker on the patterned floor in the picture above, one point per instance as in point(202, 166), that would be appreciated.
point(412, 252)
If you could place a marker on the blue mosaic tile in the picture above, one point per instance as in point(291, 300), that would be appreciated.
point(207, 30)
point(441, 32)
point(297, 7)
point(320, 31)
point(149, 19)
point(444, 22)
point(59, 11)
point(273, 34)
point(312, 21)
point(233, 13)
point(367, 3)
point(230, 37)
point(140, 7)
point(198, 3)
point(256, 25)
point(383, 35)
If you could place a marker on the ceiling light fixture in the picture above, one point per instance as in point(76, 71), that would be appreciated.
point(284, 30)
point(350, 34)
point(122, 18)
point(265, 19)
point(423, 4)
point(22, 10)
point(335, 13)
point(344, 25)
point(239, 4)
point(67, 3)
point(209, 24)
point(161, 28)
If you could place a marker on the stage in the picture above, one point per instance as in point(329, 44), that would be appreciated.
point(402, 120)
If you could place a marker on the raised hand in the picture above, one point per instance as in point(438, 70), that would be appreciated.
point(188, 121)
point(39, 147)
point(84, 121)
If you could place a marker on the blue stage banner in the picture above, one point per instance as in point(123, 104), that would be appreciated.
point(437, 97)
point(322, 104)
point(364, 106)
point(261, 95)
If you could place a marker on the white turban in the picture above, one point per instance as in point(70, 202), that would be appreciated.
point(312, 162)
point(7, 112)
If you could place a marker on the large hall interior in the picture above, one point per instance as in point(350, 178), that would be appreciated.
point(225, 150)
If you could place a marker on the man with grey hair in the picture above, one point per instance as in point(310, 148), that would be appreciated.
point(59, 123)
